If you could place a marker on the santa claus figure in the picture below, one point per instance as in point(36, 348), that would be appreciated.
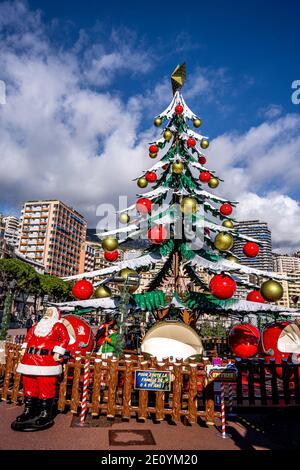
point(40, 366)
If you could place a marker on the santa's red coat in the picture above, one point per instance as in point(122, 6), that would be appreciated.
point(42, 365)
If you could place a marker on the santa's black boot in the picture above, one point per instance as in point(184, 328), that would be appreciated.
point(30, 412)
point(44, 420)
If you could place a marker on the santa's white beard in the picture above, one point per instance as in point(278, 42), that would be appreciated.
point(44, 326)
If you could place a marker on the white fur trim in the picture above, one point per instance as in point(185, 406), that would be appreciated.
point(59, 349)
point(24, 346)
point(39, 370)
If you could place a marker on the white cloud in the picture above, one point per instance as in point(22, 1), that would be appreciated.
point(272, 111)
point(61, 137)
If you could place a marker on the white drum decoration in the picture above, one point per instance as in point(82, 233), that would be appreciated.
point(172, 339)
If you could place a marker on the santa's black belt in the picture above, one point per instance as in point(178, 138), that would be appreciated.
point(41, 352)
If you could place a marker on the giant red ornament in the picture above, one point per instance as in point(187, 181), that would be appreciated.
point(205, 176)
point(222, 286)
point(179, 109)
point(111, 255)
point(191, 142)
point(82, 290)
point(151, 176)
point(244, 340)
point(157, 234)
point(226, 209)
point(251, 249)
point(143, 205)
point(255, 296)
point(202, 160)
point(81, 335)
point(153, 148)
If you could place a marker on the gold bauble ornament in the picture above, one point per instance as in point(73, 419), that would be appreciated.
point(102, 292)
point(168, 135)
point(232, 258)
point(157, 122)
point(124, 273)
point(153, 155)
point(124, 218)
point(223, 241)
point(197, 122)
point(177, 168)
point(204, 143)
point(188, 205)
point(272, 291)
point(213, 182)
point(142, 182)
point(110, 244)
point(228, 223)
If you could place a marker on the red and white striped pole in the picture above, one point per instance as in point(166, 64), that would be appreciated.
point(84, 391)
point(223, 411)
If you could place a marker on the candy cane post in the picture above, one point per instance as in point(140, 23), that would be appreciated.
point(84, 391)
point(223, 434)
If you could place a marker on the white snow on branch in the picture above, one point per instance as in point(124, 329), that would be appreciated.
point(140, 261)
point(225, 265)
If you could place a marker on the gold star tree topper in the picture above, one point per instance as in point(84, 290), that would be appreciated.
point(178, 77)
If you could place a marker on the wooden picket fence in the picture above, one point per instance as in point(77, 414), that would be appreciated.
point(111, 389)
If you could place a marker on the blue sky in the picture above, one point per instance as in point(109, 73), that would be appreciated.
point(85, 79)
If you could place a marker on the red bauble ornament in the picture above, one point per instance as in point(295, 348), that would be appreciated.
point(251, 249)
point(205, 176)
point(179, 109)
point(82, 290)
point(153, 148)
point(111, 255)
point(255, 296)
point(226, 209)
point(243, 340)
point(165, 167)
point(222, 286)
point(191, 142)
point(206, 231)
point(157, 234)
point(151, 176)
point(202, 160)
point(143, 205)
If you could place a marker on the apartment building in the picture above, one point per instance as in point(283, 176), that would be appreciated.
point(53, 234)
point(259, 231)
point(12, 230)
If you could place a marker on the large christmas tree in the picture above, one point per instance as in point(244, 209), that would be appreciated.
point(189, 229)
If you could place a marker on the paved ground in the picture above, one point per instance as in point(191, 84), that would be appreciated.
point(276, 430)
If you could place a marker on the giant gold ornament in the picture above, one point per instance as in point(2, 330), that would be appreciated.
point(228, 223)
point(142, 182)
point(157, 122)
point(109, 244)
point(124, 273)
point(102, 292)
point(223, 241)
point(213, 182)
point(153, 155)
point(271, 290)
point(232, 258)
point(204, 143)
point(167, 135)
point(124, 218)
point(177, 168)
point(188, 205)
point(197, 122)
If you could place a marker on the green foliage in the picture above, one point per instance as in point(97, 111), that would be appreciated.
point(31, 282)
point(212, 330)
